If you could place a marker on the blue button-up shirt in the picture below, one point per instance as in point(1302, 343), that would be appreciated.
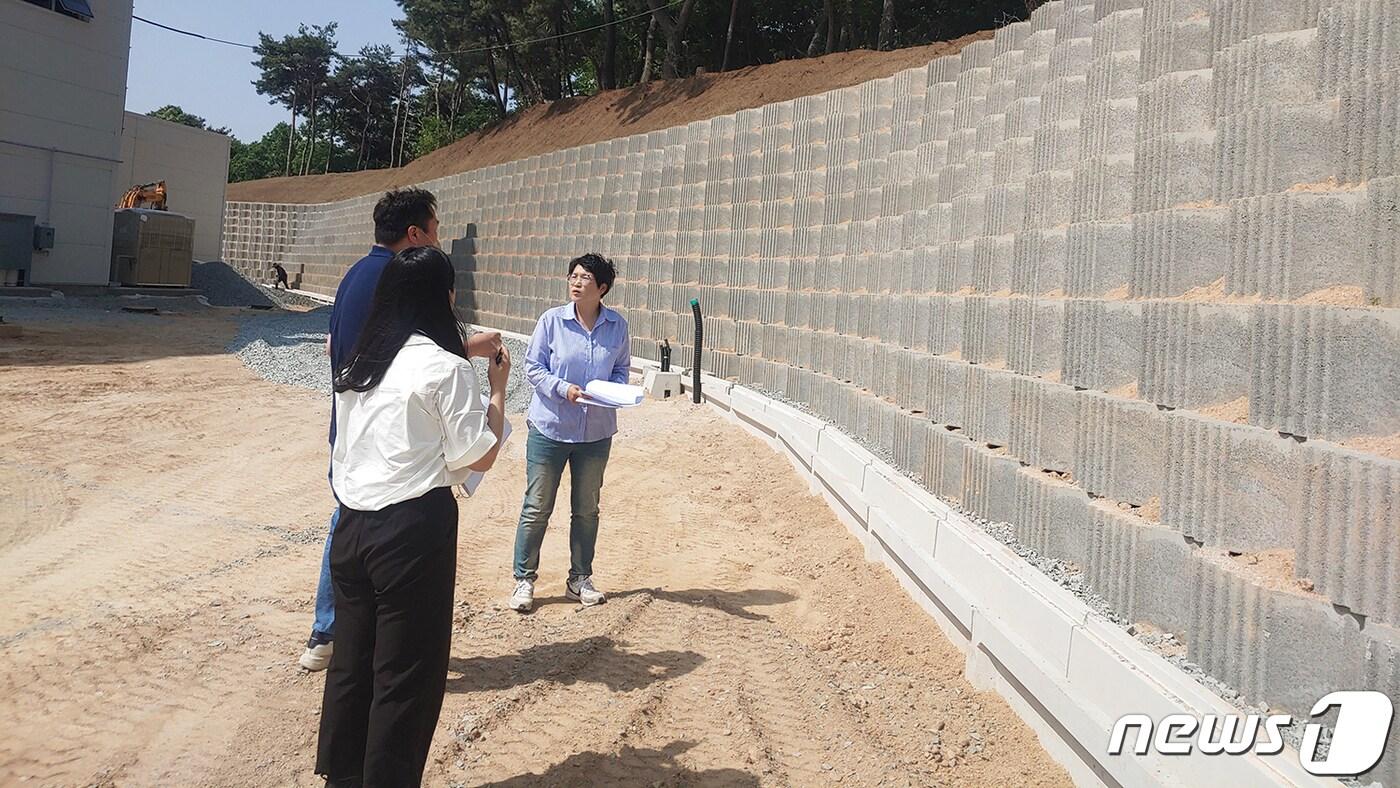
point(562, 353)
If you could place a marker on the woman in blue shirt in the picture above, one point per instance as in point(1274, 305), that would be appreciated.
point(573, 344)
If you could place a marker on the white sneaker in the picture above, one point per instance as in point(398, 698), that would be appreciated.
point(523, 598)
point(583, 592)
point(317, 656)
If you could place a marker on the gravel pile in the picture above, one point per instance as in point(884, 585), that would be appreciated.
point(223, 286)
point(290, 348)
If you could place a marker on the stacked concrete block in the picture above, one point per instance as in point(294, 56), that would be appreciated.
point(1194, 355)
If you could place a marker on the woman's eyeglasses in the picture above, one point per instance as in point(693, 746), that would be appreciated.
point(583, 279)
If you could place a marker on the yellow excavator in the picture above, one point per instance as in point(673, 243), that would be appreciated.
point(145, 195)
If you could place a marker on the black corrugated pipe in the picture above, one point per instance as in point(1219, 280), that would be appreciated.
point(699, 341)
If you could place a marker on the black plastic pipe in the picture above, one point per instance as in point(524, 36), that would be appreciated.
point(699, 342)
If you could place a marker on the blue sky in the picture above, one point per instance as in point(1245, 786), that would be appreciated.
point(213, 80)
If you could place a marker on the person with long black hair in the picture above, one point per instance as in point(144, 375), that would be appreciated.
point(410, 425)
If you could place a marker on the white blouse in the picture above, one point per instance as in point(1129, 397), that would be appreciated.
point(417, 430)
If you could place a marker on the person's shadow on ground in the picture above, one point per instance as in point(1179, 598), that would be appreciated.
point(595, 660)
point(632, 766)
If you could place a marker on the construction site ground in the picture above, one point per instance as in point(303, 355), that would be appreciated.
point(162, 515)
point(570, 122)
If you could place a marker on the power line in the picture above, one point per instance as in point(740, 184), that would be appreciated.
point(472, 50)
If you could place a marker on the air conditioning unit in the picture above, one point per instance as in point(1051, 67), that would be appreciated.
point(152, 247)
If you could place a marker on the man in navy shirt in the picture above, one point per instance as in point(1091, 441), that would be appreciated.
point(403, 218)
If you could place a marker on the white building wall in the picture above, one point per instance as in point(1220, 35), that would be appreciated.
point(192, 162)
point(62, 93)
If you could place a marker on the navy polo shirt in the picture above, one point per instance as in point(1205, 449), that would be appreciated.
point(353, 300)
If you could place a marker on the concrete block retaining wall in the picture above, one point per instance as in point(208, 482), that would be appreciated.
point(1126, 276)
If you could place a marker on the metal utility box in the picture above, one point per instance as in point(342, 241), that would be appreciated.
point(16, 241)
point(152, 247)
point(43, 237)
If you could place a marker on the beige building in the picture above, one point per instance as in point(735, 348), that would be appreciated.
point(192, 162)
point(62, 93)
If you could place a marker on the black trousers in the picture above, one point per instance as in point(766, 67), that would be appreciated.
point(394, 571)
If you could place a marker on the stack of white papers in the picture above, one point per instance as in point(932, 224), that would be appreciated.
point(475, 477)
point(607, 394)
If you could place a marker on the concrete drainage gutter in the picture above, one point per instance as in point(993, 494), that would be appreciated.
point(1068, 674)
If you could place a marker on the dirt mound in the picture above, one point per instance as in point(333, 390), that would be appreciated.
point(616, 113)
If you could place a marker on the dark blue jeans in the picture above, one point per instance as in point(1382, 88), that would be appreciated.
point(544, 468)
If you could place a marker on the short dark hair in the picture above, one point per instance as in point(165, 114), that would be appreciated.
point(602, 269)
point(399, 210)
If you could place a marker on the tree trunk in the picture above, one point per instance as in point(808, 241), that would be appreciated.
point(364, 132)
point(833, 27)
point(310, 136)
point(497, 94)
point(330, 146)
point(886, 41)
point(291, 136)
point(818, 29)
point(648, 57)
point(729, 36)
point(607, 75)
point(398, 111)
point(673, 44)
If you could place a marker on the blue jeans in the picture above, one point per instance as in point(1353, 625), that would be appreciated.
point(544, 467)
point(324, 627)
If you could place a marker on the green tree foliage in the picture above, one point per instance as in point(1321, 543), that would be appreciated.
point(470, 63)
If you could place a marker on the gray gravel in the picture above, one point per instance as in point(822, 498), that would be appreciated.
point(290, 348)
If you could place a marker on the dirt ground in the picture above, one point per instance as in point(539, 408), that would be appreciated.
point(162, 513)
point(564, 124)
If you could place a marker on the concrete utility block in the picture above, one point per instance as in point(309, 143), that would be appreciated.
point(1357, 39)
point(1103, 188)
point(947, 390)
point(909, 442)
point(1109, 128)
point(1177, 250)
point(985, 326)
point(1040, 259)
point(945, 323)
point(943, 461)
point(987, 418)
point(1035, 338)
point(1099, 259)
point(1137, 566)
point(1266, 150)
point(1348, 529)
point(1103, 344)
point(1051, 516)
point(1006, 208)
point(1231, 486)
point(1284, 246)
point(1120, 448)
point(1046, 205)
point(1384, 245)
point(1044, 423)
point(989, 483)
point(1194, 355)
point(1325, 372)
point(992, 260)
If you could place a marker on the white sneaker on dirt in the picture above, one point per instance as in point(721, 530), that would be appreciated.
point(317, 656)
point(583, 592)
point(523, 598)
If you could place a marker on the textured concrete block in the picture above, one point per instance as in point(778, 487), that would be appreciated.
point(947, 390)
point(943, 461)
point(1349, 529)
point(1195, 355)
point(1325, 372)
point(1103, 344)
point(1051, 516)
point(1120, 449)
point(1231, 486)
point(1136, 566)
point(1100, 258)
point(986, 321)
point(987, 417)
point(1035, 336)
point(1178, 250)
point(1044, 423)
point(1285, 246)
point(1272, 148)
point(1040, 260)
point(989, 483)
